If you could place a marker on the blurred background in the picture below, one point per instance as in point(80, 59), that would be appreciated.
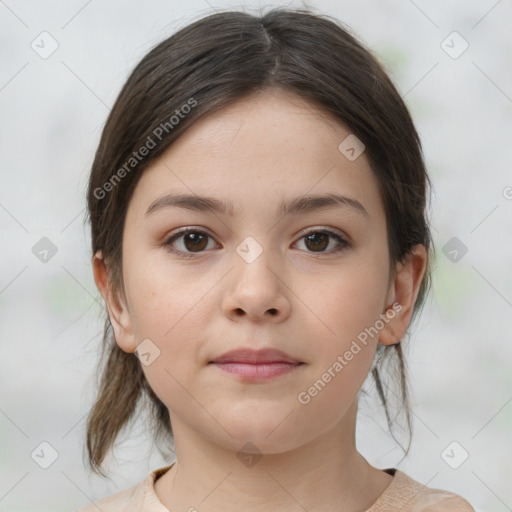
point(63, 64)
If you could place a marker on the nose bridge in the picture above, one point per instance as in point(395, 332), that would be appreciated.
point(250, 250)
point(256, 285)
point(254, 263)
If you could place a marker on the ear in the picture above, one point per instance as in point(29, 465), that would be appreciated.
point(118, 312)
point(402, 295)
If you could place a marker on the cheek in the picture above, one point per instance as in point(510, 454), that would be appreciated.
point(345, 345)
point(161, 296)
point(168, 308)
point(348, 305)
point(349, 301)
point(172, 308)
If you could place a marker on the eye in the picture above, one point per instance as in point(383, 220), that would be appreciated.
point(317, 240)
point(193, 240)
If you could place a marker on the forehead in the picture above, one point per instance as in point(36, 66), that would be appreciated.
point(260, 151)
point(267, 125)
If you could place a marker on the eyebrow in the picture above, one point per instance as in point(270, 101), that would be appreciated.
point(303, 204)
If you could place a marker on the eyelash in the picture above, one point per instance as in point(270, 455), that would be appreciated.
point(168, 243)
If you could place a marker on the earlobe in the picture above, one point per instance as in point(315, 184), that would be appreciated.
point(387, 335)
point(403, 292)
point(117, 310)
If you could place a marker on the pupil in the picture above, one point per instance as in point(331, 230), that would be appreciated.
point(314, 237)
point(195, 239)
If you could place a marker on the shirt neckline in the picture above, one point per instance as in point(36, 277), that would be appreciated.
point(148, 488)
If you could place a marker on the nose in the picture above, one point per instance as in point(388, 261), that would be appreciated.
point(257, 291)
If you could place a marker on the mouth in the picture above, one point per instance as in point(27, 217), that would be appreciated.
point(256, 365)
point(257, 372)
point(250, 356)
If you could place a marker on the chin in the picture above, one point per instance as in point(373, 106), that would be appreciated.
point(269, 433)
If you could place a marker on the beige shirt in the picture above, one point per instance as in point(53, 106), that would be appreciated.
point(403, 494)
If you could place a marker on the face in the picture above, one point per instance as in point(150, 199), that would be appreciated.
point(307, 282)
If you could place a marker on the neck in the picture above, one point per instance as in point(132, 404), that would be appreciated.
point(324, 474)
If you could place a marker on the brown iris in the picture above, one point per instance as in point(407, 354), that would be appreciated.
point(197, 241)
point(319, 240)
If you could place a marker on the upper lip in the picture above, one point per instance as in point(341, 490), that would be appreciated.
point(251, 356)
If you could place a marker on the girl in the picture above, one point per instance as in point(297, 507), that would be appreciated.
point(257, 208)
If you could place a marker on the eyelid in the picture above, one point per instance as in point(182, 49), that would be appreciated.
point(344, 240)
point(314, 229)
point(168, 241)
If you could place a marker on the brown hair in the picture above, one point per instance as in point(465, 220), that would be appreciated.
point(209, 64)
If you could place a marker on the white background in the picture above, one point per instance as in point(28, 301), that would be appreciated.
point(52, 113)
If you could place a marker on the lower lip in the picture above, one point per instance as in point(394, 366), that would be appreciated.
point(257, 372)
